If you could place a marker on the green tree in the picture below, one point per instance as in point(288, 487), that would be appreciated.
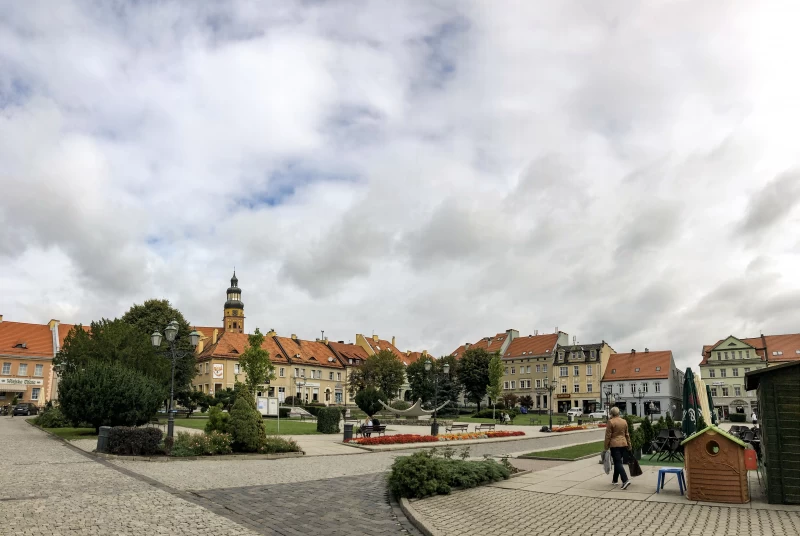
point(509, 400)
point(421, 381)
point(109, 394)
point(526, 401)
point(154, 315)
point(368, 400)
point(111, 341)
point(473, 372)
point(382, 371)
point(255, 363)
point(494, 388)
point(191, 400)
point(246, 426)
point(225, 398)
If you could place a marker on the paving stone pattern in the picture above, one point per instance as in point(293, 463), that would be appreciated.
point(490, 511)
point(348, 505)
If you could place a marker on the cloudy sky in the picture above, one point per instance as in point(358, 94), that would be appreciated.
point(437, 171)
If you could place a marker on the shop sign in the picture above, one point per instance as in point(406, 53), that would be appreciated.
point(20, 381)
point(563, 395)
point(219, 369)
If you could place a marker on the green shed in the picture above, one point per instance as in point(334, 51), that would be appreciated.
point(779, 403)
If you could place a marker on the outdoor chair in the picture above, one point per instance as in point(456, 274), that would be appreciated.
point(673, 451)
point(658, 443)
point(735, 430)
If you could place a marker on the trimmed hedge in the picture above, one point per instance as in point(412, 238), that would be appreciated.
point(274, 444)
point(313, 409)
point(328, 420)
point(737, 417)
point(128, 441)
point(487, 413)
point(421, 475)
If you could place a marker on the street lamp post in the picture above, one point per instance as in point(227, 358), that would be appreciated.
point(609, 392)
point(652, 410)
point(171, 332)
point(446, 370)
point(639, 395)
point(549, 388)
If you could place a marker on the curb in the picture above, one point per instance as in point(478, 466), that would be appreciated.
point(557, 459)
point(164, 458)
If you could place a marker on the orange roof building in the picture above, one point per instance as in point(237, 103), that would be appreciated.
point(644, 383)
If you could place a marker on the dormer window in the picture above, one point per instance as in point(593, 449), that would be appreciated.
point(613, 371)
point(658, 369)
point(593, 354)
point(637, 369)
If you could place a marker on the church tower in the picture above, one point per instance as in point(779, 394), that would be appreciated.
point(233, 322)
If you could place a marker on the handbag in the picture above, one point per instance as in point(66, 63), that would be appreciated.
point(634, 467)
point(606, 455)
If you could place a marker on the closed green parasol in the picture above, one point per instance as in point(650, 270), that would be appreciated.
point(691, 405)
point(711, 406)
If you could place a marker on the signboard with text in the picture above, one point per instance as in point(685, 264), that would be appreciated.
point(20, 381)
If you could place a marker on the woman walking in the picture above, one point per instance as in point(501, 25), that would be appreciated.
point(618, 440)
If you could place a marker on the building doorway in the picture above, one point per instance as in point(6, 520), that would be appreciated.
point(564, 406)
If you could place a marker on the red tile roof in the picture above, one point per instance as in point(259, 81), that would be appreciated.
point(232, 345)
point(37, 338)
point(308, 352)
point(532, 345)
point(623, 366)
point(381, 344)
point(207, 331)
point(786, 346)
point(490, 344)
point(345, 352)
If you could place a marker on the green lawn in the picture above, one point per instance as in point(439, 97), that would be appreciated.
point(570, 453)
point(288, 427)
point(646, 461)
point(537, 420)
point(73, 433)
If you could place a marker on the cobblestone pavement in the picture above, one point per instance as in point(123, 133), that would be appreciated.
point(488, 511)
point(46, 488)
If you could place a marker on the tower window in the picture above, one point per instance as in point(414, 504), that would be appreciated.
point(236, 313)
point(235, 326)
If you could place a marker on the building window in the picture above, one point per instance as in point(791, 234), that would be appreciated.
point(622, 388)
point(712, 373)
point(281, 372)
point(505, 385)
point(658, 369)
point(338, 376)
point(564, 371)
point(644, 387)
point(724, 391)
point(513, 370)
point(576, 371)
point(6, 369)
point(588, 387)
point(746, 370)
point(538, 368)
point(544, 368)
point(563, 388)
point(207, 364)
point(637, 369)
point(593, 354)
point(576, 388)
point(38, 370)
point(528, 369)
point(505, 370)
point(747, 354)
point(723, 373)
point(538, 384)
point(658, 387)
point(736, 372)
point(633, 388)
point(588, 370)
point(35, 393)
point(561, 355)
point(22, 370)
point(740, 354)
point(713, 391)
point(513, 384)
point(737, 391)
point(330, 376)
point(236, 368)
point(726, 355)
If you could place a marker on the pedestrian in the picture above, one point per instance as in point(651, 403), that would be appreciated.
point(368, 423)
point(618, 441)
point(754, 418)
point(506, 418)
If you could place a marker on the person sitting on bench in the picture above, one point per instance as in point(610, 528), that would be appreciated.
point(368, 423)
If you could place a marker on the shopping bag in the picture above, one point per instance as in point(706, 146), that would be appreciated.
point(634, 467)
point(607, 461)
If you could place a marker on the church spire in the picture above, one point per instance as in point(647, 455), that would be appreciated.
point(233, 321)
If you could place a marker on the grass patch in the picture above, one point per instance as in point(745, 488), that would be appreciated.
point(73, 433)
point(288, 427)
point(520, 420)
point(646, 461)
point(569, 453)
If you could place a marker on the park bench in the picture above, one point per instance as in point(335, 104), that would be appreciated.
point(155, 423)
point(366, 431)
point(484, 426)
point(183, 412)
point(304, 417)
point(459, 427)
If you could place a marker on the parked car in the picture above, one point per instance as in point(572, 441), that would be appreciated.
point(598, 415)
point(25, 408)
point(575, 412)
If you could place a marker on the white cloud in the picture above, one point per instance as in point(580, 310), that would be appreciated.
point(438, 172)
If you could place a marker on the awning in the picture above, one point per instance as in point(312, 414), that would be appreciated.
point(13, 388)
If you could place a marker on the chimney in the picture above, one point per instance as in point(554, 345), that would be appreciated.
point(341, 342)
point(294, 336)
point(646, 350)
point(214, 337)
point(375, 338)
point(763, 341)
point(408, 353)
point(467, 345)
point(271, 333)
point(535, 332)
point(633, 351)
point(325, 340)
point(393, 340)
point(1, 319)
point(425, 353)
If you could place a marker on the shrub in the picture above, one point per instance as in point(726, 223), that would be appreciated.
point(637, 439)
point(313, 409)
point(401, 405)
point(735, 417)
point(293, 401)
point(328, 420)
point(630, 421)
point(127, 441)
point(283, 413)
point(245, 425)
point(487, 413)
point(188, 444)
point(526, 401)
point(701, 422)
point(275, 444)
point(51, 418)
point(217, 420)
point(109, 394)
point(648, 434)
point(422, 474)
point(668, 422)
point(368, 401)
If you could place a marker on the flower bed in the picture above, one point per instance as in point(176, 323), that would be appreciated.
point(413, 438)
point(574, 428)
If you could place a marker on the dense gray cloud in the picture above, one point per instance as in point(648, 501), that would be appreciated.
point(435, 171)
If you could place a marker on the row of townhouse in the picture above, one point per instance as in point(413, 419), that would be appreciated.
point(724, 364)
point(26, 360)
point(558, 375)
point(313, 371)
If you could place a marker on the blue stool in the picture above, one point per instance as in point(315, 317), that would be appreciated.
point(662, 474)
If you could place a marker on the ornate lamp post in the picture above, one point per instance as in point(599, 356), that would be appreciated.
point(639, 395)
point(446, 370)
point(549, 387)
point(171, 332)
point(609, 392)
point(652, 408)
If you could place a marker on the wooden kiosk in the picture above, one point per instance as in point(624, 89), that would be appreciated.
point(714, 467)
